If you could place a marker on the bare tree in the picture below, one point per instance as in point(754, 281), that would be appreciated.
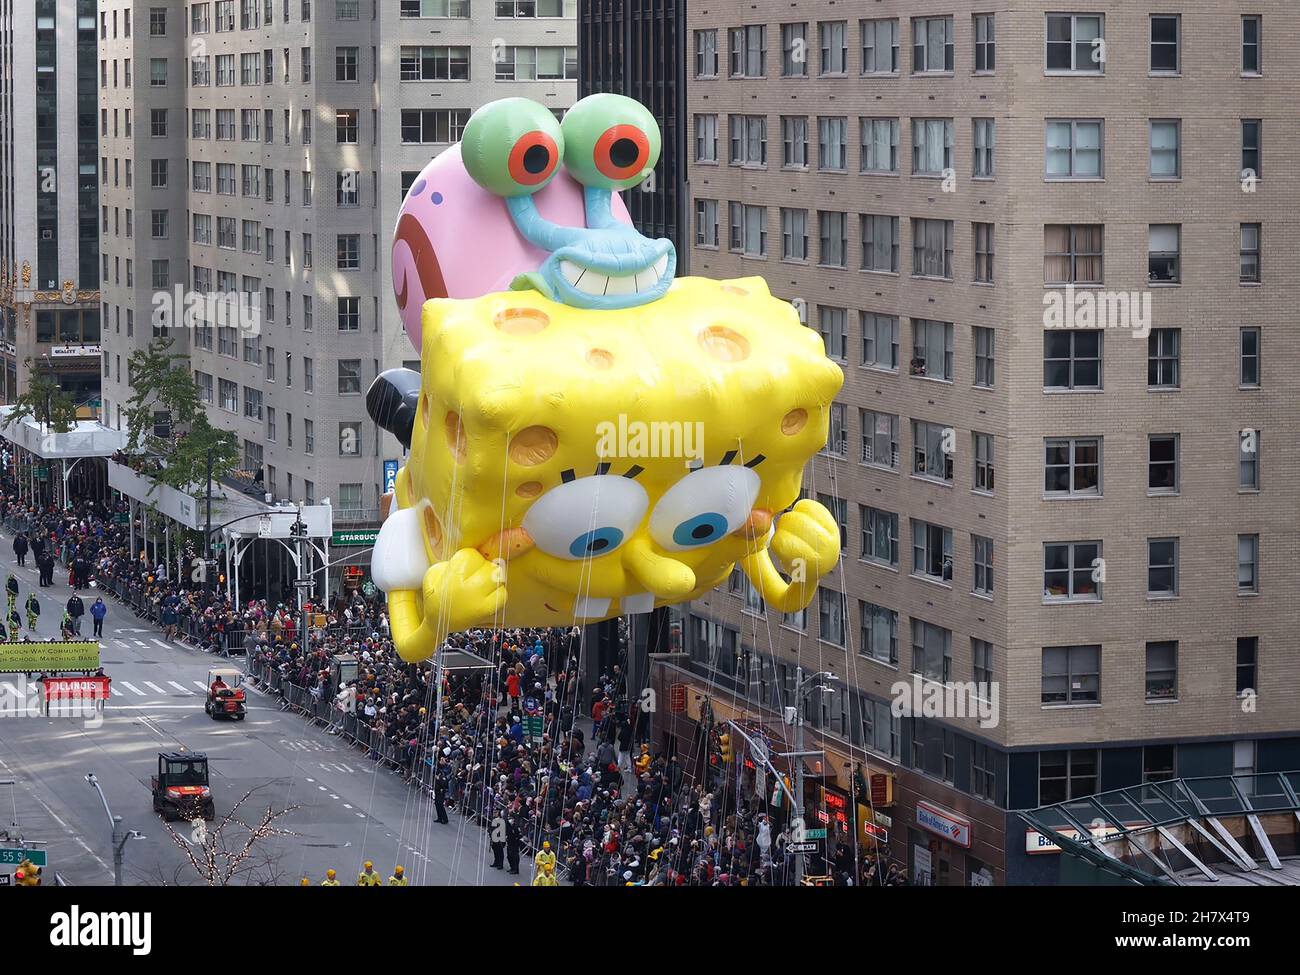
point(231, 851)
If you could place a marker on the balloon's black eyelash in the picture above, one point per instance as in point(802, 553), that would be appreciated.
point(634, 471)
point(567, 476)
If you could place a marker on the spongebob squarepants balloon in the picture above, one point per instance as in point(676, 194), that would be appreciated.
point(589, 437)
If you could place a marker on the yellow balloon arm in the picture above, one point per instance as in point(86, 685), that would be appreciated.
point(415, 637)
point(784, 597)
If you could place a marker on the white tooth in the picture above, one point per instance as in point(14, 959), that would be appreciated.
point(593, 283)
point(661, 266)
point(570, 271)
point(647, 279)
point(591, 609)
point(642, 602)
point(623, 284)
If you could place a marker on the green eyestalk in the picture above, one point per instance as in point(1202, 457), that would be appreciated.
point(610, 142)
point(512, 147)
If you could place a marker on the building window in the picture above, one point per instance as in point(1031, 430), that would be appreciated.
point(1064, 775)
point(706, 223)
point(1074, 149)
point(748, 140)
point(932, 355)
point(837, 440)
point(794, 141)
point(1251, 36)
point(1163, 356)
point(984, 463)
point(348, 258)
point(982, 661)
point(748, 229)
point(832, 143)
point(537, 64)
point(748, 51)
point(1250, 351)
point(1162, 463)
point(794, 234)
point(879, 535)
point(879, 638)
point(985, 47)
point(1162, 670)
point(984, 343)
point(1250, 236)
point(932, 140)
point(1164, 44)
point(349, 376)
point(1072, 570)
point(880, 439)
point(982, 554)
point(433, 126)
point(879, 341)
point(1071, 675)
point(1248, 460)
point(932, 449)
point(1251, 157)
point(428, 63)
point(833, 231)
point(706, 138)
point(1162, 567)
point(879, 149)
point(879, 46)
point(833, 35)
point(1247, 664)
point(880, 248)
point(706, 54)
point(830, 616)
point(1076, 43)
point(932, 248)
point(1072, 253)
point(1157, 760)
point(983, 270)
point(346, 126)
point(932, 49)
point(1072, 466)
point(931, 551)
point(931, 651)
point(1247, 563)
point(832, 323)
point(794, 50)
point(1166, 142)
point(1072, 359)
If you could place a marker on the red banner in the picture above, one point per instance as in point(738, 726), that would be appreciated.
point(76, 688)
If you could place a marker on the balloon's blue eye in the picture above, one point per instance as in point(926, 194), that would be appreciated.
point(700, 530)
point(596, 542)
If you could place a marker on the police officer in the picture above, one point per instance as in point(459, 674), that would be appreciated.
point(398, 879)
point(512, 845)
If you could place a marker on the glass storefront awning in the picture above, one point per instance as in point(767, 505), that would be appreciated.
point(1238, 828)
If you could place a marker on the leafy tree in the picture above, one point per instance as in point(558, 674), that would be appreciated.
point(161, 383)
point(44, 401)
point(185, 466)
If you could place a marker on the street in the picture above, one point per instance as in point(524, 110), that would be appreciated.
point(348, 809)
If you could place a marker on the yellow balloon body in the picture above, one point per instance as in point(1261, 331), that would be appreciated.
point(570, 465)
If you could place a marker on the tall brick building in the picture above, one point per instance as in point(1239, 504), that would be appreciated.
point(1096, 526)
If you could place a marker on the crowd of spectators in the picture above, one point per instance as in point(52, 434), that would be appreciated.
point(514, 751)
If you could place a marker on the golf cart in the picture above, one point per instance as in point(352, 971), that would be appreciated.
point(180, 789)
point(227, 700)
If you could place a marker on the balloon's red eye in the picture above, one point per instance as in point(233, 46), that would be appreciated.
point(623, 151)
point(534, 158)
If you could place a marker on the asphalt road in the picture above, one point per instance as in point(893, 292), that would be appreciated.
point(345, 808)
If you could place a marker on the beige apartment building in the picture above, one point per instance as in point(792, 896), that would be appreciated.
point(1094, 526)
point(263, 147)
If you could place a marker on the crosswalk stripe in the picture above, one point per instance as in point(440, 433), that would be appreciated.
point(141, 643)
point(201, 686)
point(180, 687)
point(162, 643)
point(153, 687)
point(114, 691)
point(132, 688)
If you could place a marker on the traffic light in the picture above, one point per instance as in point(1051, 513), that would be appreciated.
point(724, 746)
point(28, 874)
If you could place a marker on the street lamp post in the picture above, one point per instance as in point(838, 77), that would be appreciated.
point(799, 699)
point(120, 835)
